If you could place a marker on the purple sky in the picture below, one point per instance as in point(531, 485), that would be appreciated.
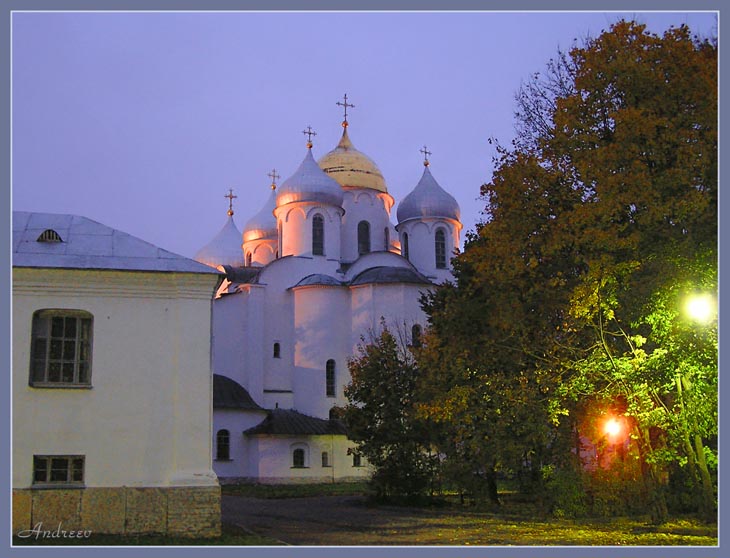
point(142, 121)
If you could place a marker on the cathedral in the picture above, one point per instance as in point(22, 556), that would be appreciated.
point(314, 273)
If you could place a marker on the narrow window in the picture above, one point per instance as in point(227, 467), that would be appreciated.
point(60, 352)
point(58, 469)
point(416, 335)
point(440, 249)
point(298, 458)
point(356, 460)
point(325, 459)
point(330, 378)
point(318, 235)
point(277, 350)
point(248, 259)
point(406, 255)
point(223, 445)
point(280, 250)
point(363, 238)
point(386, 236)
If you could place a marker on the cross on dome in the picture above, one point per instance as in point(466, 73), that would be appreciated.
point(230, 195)
point(345, 104)
point(309, 133)
point(274, 176)
point(426, 153)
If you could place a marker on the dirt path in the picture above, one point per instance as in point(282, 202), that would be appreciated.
point(332, 521)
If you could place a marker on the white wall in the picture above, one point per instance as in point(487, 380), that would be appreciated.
point(243, 462)
point(296, 226)
point(146, 420)
point(364, 204)
point(422, 245)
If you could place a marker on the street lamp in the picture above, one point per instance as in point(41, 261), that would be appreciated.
point(700, 307)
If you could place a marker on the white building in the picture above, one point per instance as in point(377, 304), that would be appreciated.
point(324, 266)
point(111, 382)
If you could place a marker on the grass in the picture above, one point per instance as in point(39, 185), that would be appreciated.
point(231, 535)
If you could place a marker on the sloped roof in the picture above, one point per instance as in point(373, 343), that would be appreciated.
point(86, 244)
point(229, 394)
point(224, 248)
point(245, 275)
point(383, 274)
point(293, 423)
point(319, 279)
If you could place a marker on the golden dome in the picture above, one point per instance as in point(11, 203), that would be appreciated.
point(349, 167)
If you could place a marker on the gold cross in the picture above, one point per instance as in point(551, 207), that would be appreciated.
point(230, 197)
point(345, 104)
point(273, 176)
point(426, 153)
point(309, 133)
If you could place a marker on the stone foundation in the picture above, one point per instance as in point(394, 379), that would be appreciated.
point(191, 511)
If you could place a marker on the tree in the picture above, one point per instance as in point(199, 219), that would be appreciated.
point(380, 417)
point(595, 221)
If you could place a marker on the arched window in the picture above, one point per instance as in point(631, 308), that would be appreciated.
point(280, 249)
point(386, 242)
point(440, 249)
point(223, 445)
point(60, 351)
point(318, 235)
point(298, 458)
point(248, 259)
point(363, 238)
point(330, 378)
point(406, 255)
point(325, 459)
point(277, 350)
point(416, 335)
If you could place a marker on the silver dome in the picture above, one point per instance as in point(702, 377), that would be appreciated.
point(224, 249)
point(309, 184)
point(428, 199)
point(263, 224)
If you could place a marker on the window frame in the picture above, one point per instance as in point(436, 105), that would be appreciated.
point(406, 250)
point(318, 235)
point(440, 248)
point(364, 245)
point(223, 435)
point(277, 350)
point(330, 381)
point(43, 324)
point(326, 459)
point(49, 469)
point(299, 458)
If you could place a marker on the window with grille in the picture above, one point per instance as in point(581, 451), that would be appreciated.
point(61, 348)
point(223, 445)
point(330, 378)
point(318, 235)
point(363, 238)
point(440, 249)
point(58, 469)
point(49, 235)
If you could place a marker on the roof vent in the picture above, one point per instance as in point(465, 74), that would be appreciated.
point(49, 235)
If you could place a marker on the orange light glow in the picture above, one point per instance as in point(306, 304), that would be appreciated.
point(613, 428)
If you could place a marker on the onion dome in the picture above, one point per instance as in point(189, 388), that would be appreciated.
point(309, 183)
point(224, 249)
point(428, 199)
point(350, 167)
point(262, 225)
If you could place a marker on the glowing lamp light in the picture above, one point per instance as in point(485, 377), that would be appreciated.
point(613, 428)
point(700, 308)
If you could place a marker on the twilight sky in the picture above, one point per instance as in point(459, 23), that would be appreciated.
point(143, 121)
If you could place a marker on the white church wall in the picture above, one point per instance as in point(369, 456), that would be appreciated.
point(262, 251)
point(422, 245)
point(296, 227)
point(361, 204)
point(242, 461)
point(146, 420)
point(319, 313)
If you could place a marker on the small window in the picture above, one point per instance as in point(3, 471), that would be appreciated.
point(406, 254)
point(298, 458)
point(325, 459)
point(386, 236)
point(223, 445)
point(277, 350)
point(356, 460)
point(280, 249)
point(416, 335)
point(58, 469)
point(440, 249)
point(60, 352)
point(49, 235)
point(363, 238)
point(248, 258)
point(330, 378)
point(318, 235)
